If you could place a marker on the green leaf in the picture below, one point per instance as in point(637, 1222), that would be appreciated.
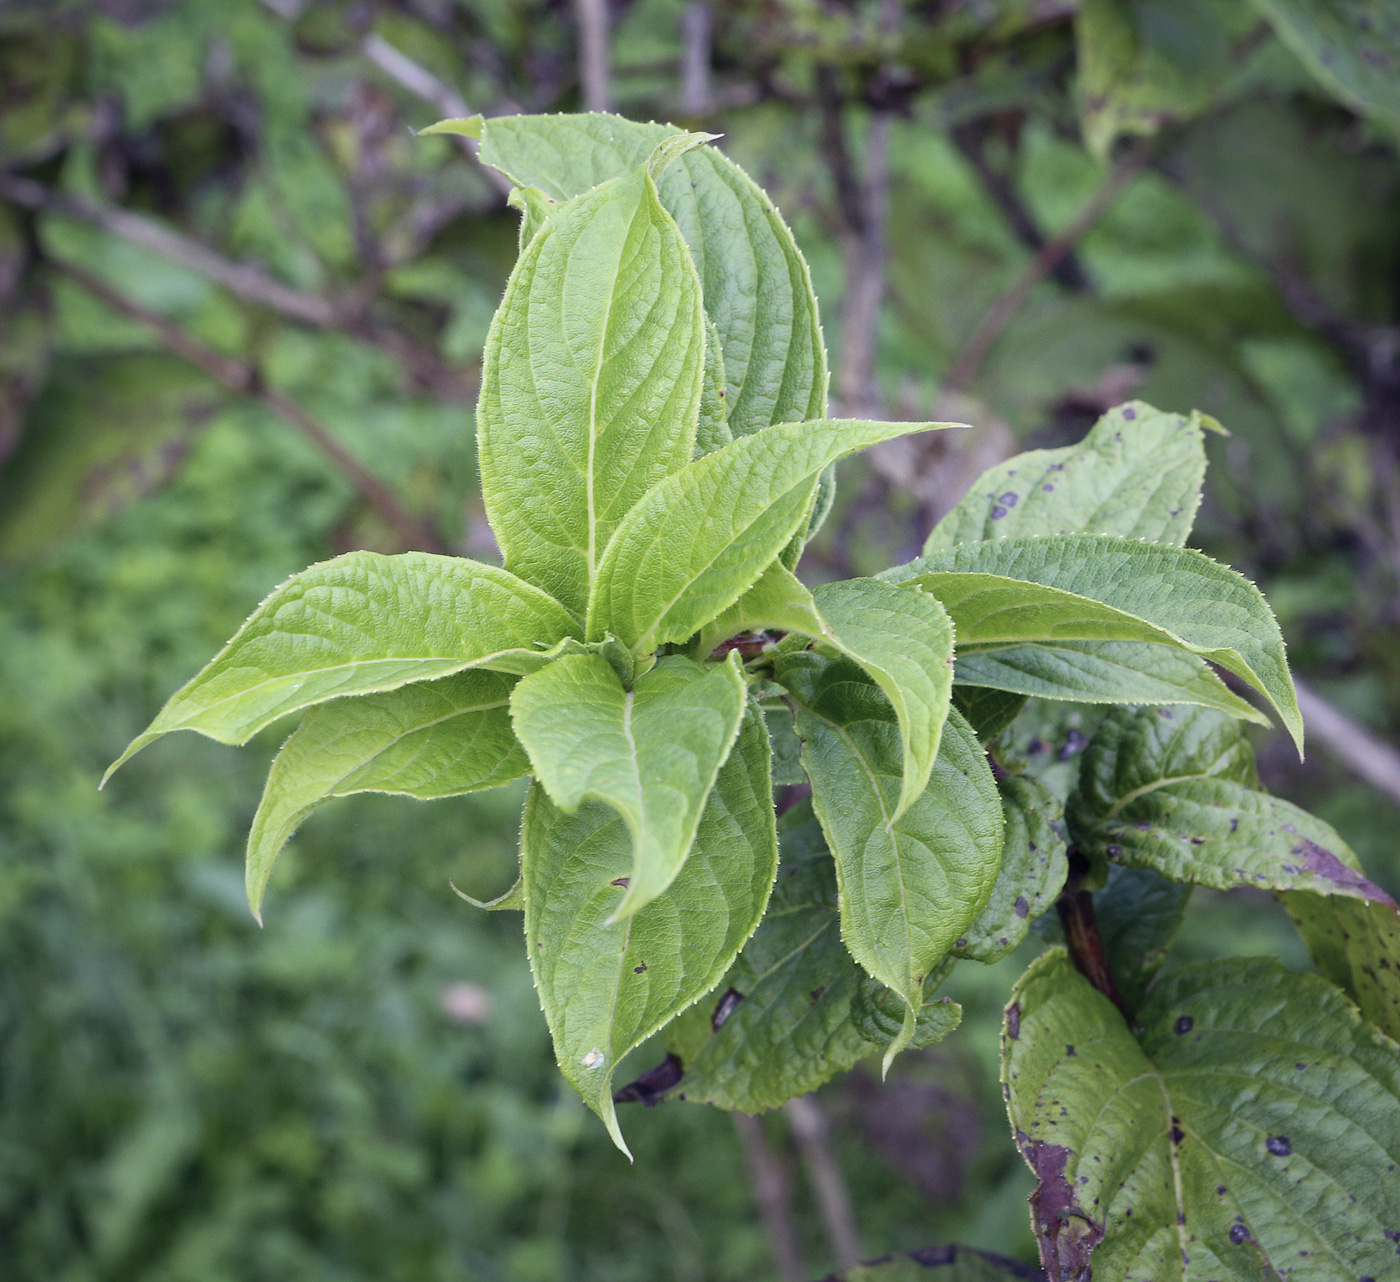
point(1139, 913)
point(607, 985)
point(1356, 944)
point(699, 539)
point(783, 1020)
point(756, 284)
point(1140, 70)
point(1137, 474)
point(355, 625)
point(942, 1264)
point(909, 887)
point(988, 711)
point(1254, 1127)
point(534, 207)
point(878, 1012)
point(712, 431)
point(1097, 587)
point(591, 381)
point(1169, 789)
point(1351, 46)
point(903, 639)
point(652, 753)
point(428, 739)
point(1102, 672)
point(1033, 870)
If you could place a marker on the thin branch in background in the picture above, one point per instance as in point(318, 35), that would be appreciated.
point(594, 54)
point(245, 380)
point(969, 361)
point(773, 1195)
point(971, 138)
point(813, 1135)
point(697, 32)
point(1374, 760)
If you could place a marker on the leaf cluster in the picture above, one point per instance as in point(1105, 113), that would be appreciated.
point(655, 453)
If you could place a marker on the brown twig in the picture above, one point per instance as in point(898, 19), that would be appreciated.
point(594, 54)
point(244, 379)
point(813, 1135)
point(965, 367)
point(774, 1197)
point(970, 138)
point(1076, 909)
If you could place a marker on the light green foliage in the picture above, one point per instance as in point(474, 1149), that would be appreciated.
point(1351, 46)
point(1170, 595)
point(712, 429)
point(590, 382)
point(1171, 789)
point(902, 638)
point(1137, 473)
point(356, 625)
point(1141, 66)
point(909, 886)
point(757, 288)
point(1186, 1151)
point(1102, 672)
point(651, 753)
point(606, 984)
point(429, 739)
point(697, 540)
point(1032, 872)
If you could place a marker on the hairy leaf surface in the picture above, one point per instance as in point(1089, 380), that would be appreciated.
point(756, 285)
point(1188, 1154)
point(903, 639)
point(1099, 587)
point(699, 539)
point(591, 381)
point(1102, 672)
point(606, 984)
point(1138, 474)
point(1169, 789)
point(429, 739)
point(652, 753)
point(355, 625)
point(909, 887)
point(1033, 869)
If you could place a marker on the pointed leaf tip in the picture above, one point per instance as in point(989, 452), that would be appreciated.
point(462, 126)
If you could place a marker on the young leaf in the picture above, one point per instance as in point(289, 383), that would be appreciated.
point(987, 711)
point(355, 625)
point(699, 539)
point(712, 431)
point(1033, 869)
point(1356, 944)
point(1097, 587)
point(909, 887)
point(1102, 672)
point(591, 381)
point(1187, 1153)
point(607, 985)
point(651, 753)
point(903, 639)
point(756, 284)
point(1169, 789)
point(429, 739)
point(1137, 474)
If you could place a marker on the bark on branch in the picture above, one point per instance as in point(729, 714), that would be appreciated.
point(244, 379)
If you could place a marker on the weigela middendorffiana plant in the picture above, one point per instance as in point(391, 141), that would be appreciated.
point(654, 456)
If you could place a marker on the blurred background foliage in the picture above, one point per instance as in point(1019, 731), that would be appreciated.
point(241, 310)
